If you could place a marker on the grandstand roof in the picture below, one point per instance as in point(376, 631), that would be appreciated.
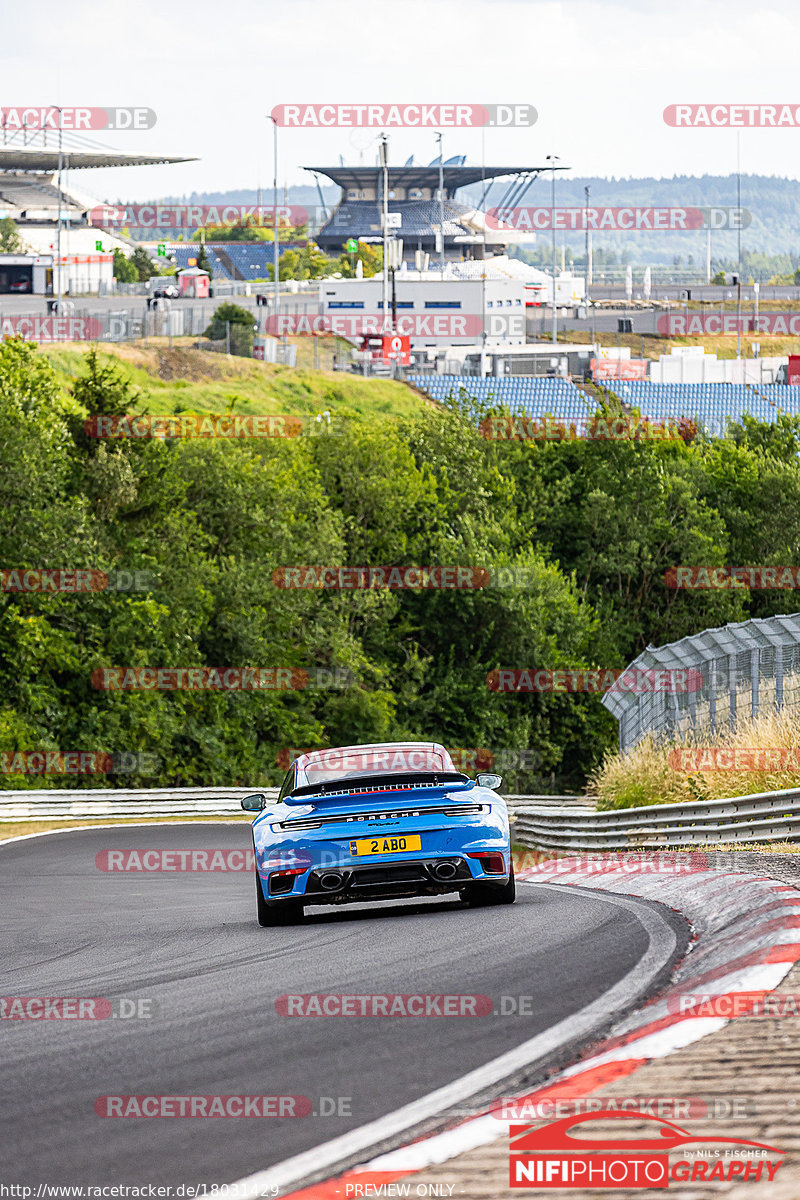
point(17, 158)
point(418, 176)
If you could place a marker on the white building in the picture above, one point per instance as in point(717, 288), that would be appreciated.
point(38, 274)
point(434, 311)
point(22, 274)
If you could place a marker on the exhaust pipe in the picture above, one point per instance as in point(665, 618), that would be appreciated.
point(330, 881)
point(444, 871)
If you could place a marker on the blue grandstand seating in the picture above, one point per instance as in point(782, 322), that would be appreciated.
point(711, 405)
point(526, 395)
point(253, 260)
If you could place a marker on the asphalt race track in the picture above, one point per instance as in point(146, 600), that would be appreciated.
point(189, 943)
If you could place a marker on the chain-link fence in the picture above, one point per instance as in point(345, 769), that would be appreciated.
point(705, 682)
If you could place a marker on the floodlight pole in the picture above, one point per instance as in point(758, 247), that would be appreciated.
point(58, 226)
point(276, 283)
point(587, 272)
point(739, 249)
point(483, 259)
point(441, 204)
point(384, 161)
point(553, 159)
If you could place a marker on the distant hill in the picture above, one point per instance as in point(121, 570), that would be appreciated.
point(773, 202)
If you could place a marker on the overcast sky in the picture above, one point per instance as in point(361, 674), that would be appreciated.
point(599, 74)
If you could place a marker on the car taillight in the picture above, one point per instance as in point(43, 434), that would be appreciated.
point(492, 863)
point(281, 881)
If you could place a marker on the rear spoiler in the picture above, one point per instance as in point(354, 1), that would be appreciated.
point(387, 785)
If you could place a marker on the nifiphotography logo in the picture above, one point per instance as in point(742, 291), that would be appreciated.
point(553, 1156)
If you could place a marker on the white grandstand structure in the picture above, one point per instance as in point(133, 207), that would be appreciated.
point(30, 195)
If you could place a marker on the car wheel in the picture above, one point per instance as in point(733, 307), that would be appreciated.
point(481, 895)
point(287, 913)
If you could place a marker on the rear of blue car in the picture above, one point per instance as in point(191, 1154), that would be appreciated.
point(339, 836)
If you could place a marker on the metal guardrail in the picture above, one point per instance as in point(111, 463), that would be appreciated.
point(761, 817)
point(548, 822)
point(515, 802)
point(43, 804)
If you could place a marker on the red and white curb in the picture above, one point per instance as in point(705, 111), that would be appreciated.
point(748, 939)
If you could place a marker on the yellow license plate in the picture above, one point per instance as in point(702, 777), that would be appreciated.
point(386, 845)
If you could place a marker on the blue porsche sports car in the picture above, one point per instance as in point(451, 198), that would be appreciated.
point(379, 822)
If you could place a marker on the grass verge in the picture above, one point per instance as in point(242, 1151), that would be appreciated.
point(185, 379)
point(11, 829)
point(675, 773)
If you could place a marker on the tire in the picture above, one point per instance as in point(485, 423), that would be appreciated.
point(481, 895)
point(269, 915)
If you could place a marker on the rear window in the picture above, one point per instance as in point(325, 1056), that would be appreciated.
point(329, 766)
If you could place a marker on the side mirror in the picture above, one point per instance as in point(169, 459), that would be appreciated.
point(254, 803)
point(489, 781)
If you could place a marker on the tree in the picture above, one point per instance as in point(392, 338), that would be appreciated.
point(307, 263)
point(143, 263)
point(203, 261)
point(242, 232)
point(225, 314)
point(124, 268)
point(250, 231)
point(370, 256)
point(105, 390)
point(10, 241)
point(240, 322)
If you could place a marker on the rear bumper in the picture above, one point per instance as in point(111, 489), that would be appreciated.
point(432, 875)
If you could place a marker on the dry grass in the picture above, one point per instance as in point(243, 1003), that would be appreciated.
point(644, 775)
point(12, 829)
